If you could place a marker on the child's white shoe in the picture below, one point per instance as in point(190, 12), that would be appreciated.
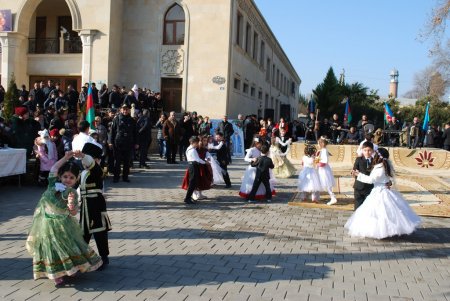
point(195, 195)
point(332, 202)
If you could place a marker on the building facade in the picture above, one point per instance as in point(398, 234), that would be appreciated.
point(215, 57)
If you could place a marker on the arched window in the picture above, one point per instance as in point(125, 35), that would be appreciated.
point(174, 26)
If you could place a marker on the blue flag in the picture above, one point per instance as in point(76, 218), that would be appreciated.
point(426, 119)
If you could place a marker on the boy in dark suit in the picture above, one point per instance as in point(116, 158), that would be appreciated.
point(223, 156)
point(364, 165)
point(263, 165)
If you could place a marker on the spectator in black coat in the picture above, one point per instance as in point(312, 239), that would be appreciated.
point(38, 95)
point(95, 94)
point(144, 136)
point(23, 92)
point(115, 99)
point(187, 130)
point(103, 96)
point(227, 130)
point(72, 99)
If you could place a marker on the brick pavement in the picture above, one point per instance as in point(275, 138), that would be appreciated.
point(225, 249)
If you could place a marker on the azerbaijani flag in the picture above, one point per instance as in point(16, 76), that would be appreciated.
point(426, 119)
point(387, 113)
point(348, 112)
point(90, 110)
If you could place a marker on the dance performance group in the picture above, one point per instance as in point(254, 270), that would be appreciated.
point(59, 244)
point(380, 211)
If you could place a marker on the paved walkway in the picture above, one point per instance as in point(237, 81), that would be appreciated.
point(225, 249)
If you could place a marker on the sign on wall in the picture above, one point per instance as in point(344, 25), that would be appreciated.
point(5, 20)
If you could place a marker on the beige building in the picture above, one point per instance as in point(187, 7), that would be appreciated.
point(212, 56)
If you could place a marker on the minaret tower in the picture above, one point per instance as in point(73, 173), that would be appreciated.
point(393, 86)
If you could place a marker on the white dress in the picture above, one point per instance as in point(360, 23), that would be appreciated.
point(325, 172)
point(215, 166)
point(384, 213)
point(216, 170)
point(249, 177)
point(308, 179)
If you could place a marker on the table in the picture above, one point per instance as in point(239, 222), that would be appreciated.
point(13, 161)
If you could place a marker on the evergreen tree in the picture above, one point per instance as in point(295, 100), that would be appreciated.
point(11, 98)
point(328, 94)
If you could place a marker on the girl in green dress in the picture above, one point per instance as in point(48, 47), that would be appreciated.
point(55, 240)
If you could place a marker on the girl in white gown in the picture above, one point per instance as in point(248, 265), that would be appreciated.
point(325, 172)
point(249, 176)
point(308, 179)
point(384, 213)
point(216, 169)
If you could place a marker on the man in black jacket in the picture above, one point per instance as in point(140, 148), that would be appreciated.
point(72, 99)
point(38, 95)
point(363, 165)
point(144, 136)
point(263, 165)
point(115, 99)
point(122, 140)
point(227, 130)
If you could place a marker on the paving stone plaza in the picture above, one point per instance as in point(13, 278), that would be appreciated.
point(226, 249)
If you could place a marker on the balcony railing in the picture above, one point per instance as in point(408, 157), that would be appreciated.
point(43, 45)
point(73, 45)
point(53, 45)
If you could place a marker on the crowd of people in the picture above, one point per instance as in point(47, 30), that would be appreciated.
point(339, 131)
point(49, 122)
point(72, 153)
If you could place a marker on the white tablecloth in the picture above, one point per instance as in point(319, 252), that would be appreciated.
point(13, 161)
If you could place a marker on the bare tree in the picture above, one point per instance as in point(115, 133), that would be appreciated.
point(435, 29)
point(437, 22)
point(428, 82)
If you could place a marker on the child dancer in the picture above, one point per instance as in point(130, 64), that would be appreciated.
point(223, 157)
point(325, 173)
point(55, 240)
point(249, 176)
point(94, 219)
point(384, 213)
point(48, 155)
point(205, 171)
point(283, 168)
point(218, 172)
point(308, 179)
point(192, 173)
point(364, 165)
point(367, 138)
point(262, 175)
